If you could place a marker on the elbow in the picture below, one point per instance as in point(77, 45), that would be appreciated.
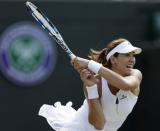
point(129, 87)
point(99, 127)
point(98, 124)
point(126, 88)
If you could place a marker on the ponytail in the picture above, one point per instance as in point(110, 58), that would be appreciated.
point(98, 56)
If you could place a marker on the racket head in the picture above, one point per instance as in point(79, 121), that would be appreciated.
point(47, 25)
point(40, 17)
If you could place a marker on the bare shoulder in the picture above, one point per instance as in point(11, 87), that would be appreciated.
point(138, 78)
point(137, 73)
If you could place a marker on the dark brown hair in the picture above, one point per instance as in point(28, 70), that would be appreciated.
point(100, 56)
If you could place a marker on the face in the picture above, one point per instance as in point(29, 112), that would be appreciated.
point(123, 63)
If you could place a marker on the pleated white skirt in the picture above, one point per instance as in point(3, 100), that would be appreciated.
point(66, 118)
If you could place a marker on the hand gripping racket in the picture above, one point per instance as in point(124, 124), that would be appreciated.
point(49, 27)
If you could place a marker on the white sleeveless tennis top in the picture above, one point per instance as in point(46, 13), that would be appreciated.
point(116, 108)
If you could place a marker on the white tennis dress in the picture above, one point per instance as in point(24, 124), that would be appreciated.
point(116, 108)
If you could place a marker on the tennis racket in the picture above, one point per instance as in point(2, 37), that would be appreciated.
point(49, 27)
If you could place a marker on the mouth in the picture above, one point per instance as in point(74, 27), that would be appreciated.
point(130, 66)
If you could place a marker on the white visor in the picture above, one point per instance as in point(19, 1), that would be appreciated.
point(124, 47)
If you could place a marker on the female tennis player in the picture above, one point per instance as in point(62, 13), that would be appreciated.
point(111, 87)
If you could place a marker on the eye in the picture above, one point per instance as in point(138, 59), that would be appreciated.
point(127, 54)
point(132, 54)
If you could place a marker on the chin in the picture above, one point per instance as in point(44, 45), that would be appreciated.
point(129, 70)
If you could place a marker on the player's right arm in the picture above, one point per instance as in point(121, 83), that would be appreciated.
point(95, 116)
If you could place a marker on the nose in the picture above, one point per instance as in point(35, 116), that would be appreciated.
point(132, 59)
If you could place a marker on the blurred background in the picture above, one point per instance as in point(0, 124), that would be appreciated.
point(34, 70)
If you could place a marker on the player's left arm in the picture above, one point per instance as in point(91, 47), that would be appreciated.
point(130, 82)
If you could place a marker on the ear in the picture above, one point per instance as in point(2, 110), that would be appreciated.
point(113, 60)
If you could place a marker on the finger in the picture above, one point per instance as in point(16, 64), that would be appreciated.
point(73, 61)
point(77, 67)
point(93, 79)
point(85, 72)
point(79, 70)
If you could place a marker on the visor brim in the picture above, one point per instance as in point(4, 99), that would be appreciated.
point(128, 49)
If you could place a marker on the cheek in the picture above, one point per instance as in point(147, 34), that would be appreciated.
point(122, 62)
point(120, 65)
